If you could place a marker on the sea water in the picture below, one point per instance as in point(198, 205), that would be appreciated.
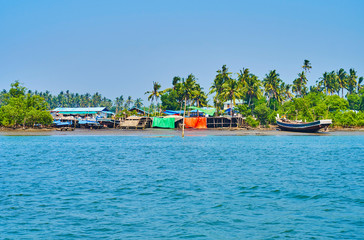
point(212, 187)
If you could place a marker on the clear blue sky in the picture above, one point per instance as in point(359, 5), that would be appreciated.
point(121, 47)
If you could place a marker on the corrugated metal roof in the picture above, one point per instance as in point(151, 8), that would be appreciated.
point(90, 109)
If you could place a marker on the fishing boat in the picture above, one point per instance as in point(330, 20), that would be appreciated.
point(299, 126)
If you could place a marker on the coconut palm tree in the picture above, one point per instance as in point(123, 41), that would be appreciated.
point(243, 76)
point(188, 90)
point(231, 92)
point(175, 81)
point(217, 87)
point(119, 101)
point(138, 103)
point(251, 87)
point(129, 101)
point(155, 93)
point(351, 81)
point(271, 84)
point(325, 81)
point(306, 65)
point(342, 79)
point(359, 82)
point(286, 89)
point(332, 84)
point(199, 96)
point(299, 85)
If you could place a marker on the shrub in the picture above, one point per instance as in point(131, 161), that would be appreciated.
point(262, 113)
point(252, 122)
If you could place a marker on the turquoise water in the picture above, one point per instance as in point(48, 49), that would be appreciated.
point(118, 187)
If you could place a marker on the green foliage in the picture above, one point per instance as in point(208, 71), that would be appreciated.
point(244, 110)
point(125, 113)
point(262, 112)
point(348, 119)
point(354, 101)
point(361, 95)
point(169, 101)
point(23, 109)
point(335, 103)
point(251, 122)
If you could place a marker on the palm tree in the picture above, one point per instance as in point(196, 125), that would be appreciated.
point(251, 87)
point(359, 83)
point(286, 89)
point(351, 81)
point(332, 84)
point(155, 93)
point(217, 87)
point(88, 99)
point(271, 84)
point(96, 99)
point(175, 81)
point(243, 76)
point(299, 84)
point(199, 96)
point(129, 102)
point(342, 80)
point(306, 65)
point(325, 80)
point(119, 102)
point(188, 90)
point(138, 103)
point(231, 91)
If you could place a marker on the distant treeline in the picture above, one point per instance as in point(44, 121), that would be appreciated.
point(73, 100)
point(262, 99)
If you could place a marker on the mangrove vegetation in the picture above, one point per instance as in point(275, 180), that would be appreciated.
point(336, 95)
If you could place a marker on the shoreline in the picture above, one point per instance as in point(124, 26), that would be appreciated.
point(175, 132)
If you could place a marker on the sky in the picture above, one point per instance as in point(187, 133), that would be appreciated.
point(121, 47)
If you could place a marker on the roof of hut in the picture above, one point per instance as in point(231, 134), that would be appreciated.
point(79, 110)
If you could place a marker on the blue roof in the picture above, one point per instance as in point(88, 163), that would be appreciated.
point(89, 109)
point(172, 112)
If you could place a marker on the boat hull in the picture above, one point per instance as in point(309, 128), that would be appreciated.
point(304, 127)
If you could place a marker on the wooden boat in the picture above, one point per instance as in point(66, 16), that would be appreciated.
point(296, 126)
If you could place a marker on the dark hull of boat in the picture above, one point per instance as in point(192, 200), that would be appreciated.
point(304, 127)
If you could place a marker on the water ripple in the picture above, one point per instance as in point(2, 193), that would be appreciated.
point(117, 187)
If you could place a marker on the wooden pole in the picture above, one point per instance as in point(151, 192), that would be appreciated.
point(183, 121)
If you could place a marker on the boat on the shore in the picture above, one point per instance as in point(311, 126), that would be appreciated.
point(299, 126)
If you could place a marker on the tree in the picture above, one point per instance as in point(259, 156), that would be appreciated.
point(262, 112)
point(324, 83)
point(169, 100)
point(354, 101)
point(138, 103)
point(217, 87)
point(187, 91)
point(119, 103)
point(306, 65)
point(359, 83)
point(287, 91)
point(299, 85)
point(250, 86)
point(231, 91)
point(199, 96)
point(335, 103)
point(129, 101)
point(351, 81)
point(155, 93)
point(271, 84)
point(24, 109)
point(342, 80)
